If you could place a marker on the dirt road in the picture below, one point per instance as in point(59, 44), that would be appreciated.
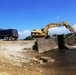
point(16, 57)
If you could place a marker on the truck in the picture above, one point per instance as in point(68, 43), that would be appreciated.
point(9, 34)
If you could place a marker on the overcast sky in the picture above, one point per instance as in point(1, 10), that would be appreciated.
point(26, 15)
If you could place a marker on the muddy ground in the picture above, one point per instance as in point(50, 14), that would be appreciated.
point(16, 58)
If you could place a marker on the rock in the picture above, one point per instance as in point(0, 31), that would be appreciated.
point(27, 49)
point(31, 64)
point(47, 59)
point(41, 71)
point(43, 60)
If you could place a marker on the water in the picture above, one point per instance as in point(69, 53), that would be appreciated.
point(65, 63)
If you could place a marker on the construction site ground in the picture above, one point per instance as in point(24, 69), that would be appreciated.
point(18, 58)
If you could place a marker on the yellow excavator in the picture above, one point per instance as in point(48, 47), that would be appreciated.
point(44, 32)
point(44, 43)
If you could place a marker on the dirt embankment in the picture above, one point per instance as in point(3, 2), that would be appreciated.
point(16, 58)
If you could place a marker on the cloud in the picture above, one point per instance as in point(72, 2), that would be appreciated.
point(58, 17)
point(74, 27)
point(58, 30)
point(24, 34)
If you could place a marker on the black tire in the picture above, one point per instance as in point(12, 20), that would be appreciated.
point(11, 38)
point(15, 39)
point(5, 38)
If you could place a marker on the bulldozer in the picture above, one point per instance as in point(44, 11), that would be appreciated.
point(44, 43)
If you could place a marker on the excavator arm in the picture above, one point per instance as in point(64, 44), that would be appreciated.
point(52, 25)
point(70, 29)
point(60, 24)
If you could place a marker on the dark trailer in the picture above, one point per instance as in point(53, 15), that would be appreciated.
point(8, 34)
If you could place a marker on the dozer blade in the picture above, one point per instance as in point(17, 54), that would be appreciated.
point(46, 44)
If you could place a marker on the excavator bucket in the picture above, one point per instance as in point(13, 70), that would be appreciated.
point(44, 45)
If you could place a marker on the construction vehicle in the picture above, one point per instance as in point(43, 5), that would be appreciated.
point(8, 34)
point(44, 32)
point(42, 44)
